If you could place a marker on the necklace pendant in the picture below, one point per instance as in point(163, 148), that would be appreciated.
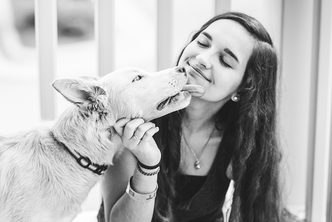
point(197, 165)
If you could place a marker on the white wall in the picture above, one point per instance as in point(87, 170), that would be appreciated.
point(296, 96)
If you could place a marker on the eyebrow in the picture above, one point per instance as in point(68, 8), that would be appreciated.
point(207, 35)
point(227, 50)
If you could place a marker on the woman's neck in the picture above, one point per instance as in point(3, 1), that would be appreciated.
point(201, 115)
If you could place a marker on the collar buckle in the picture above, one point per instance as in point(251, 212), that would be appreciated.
point(83, 161)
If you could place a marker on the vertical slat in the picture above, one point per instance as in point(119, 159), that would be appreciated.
point(104, 35)
point(164, 33)
point(222, 6)
point(329, 201)
point(46, 42)
point(323, 116)
point(299, 98)
point(313, 110)
point(327, 22)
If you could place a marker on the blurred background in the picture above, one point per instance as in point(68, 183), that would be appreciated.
point(92, 39)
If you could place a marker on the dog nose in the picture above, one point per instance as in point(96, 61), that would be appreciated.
point(181, 69)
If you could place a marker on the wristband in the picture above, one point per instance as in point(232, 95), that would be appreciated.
point(145, 173)
point(148, 167)
point(138, 196)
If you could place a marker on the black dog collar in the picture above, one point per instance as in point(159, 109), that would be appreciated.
point(83, 161)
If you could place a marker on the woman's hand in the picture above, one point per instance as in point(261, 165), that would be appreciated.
point(136, 136)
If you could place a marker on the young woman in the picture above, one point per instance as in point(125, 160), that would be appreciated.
point(228, 133)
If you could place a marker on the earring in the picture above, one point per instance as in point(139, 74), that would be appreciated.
point(235, 98)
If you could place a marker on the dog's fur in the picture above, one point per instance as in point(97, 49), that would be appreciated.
point(39, 180)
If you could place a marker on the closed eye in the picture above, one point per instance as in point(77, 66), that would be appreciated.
point(222, 61)
point(201, 44)
point(137, 78)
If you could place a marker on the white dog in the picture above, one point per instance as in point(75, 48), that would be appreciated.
point(46, 173)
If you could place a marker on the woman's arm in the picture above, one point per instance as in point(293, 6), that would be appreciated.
point(118, 204)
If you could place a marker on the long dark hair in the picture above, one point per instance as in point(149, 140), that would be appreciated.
point(251, 131)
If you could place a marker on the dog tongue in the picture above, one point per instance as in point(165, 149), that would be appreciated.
point(195, 90)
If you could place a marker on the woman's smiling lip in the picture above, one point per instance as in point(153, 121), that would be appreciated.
point(198, 71)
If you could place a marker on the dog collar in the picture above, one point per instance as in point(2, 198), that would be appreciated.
point(83, 161)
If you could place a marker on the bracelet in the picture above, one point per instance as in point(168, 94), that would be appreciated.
point(145, 173)
point(138, 196)
point(148, 167)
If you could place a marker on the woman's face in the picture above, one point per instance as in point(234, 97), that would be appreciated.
point(217, 59)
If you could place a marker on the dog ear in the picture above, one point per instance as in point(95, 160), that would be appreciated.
point(78, 91)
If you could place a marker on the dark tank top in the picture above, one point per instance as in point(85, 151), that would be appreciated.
point(202, 197)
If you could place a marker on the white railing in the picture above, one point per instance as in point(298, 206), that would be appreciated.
point(46, 42)
point(319, 209)
point(164, 33)
point(104, 33)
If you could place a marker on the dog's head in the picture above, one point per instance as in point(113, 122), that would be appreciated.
point(136, 93)
point(129, 92)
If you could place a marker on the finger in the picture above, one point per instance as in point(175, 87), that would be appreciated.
point(120, 124)
point(142, 129)
point(149, 134)
point(131, 127)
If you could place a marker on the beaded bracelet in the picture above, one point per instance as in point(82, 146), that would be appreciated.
point(148, 167)
point(138, 196)
point(145, 173)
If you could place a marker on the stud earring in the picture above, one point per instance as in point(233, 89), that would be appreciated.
point(235, 98)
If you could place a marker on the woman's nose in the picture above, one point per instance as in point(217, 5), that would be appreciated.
point(204, 60)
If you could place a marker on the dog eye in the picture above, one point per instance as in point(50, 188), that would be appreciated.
point(137, 78)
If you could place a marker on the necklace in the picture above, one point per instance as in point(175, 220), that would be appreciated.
point(197, 164)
